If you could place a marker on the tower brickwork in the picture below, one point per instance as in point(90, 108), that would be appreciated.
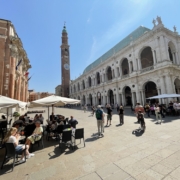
point(65, 64)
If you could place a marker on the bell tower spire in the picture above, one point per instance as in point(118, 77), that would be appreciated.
point(65, 63)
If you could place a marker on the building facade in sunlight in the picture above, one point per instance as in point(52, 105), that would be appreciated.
point(144, 64)
point(38, 95)
point(14, 63)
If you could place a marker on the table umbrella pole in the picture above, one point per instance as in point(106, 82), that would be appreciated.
point(7, 113)
point(48, 112)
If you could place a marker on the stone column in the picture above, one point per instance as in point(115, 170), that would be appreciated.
point(123, 99)
point(159, 92)
point(143, 97)
point(19, 88)
point(133, 99)
point(177, 59)
point(139, 64)
point(163, 48)
point(117, 97)
point(169, 85)
point(120, 71)
point(174, 58)
point(154, 58)
point(137, 95)
point(129, 64)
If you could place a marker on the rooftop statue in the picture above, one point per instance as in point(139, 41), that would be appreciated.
point(154, 22)
point(174, 28)
point(159, 20)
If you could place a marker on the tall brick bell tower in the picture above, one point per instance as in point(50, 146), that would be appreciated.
point(65, 64)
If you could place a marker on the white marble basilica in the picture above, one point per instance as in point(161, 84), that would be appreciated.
point(144, 64)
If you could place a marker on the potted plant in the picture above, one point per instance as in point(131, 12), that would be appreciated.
point(16, 115)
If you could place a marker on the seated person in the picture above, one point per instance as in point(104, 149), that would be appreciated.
point(36, 117)
point(72, 122)
point(22, 118)
point(41, 118)
point(37, 134)
point(52, 117)
point(26, 118)
point(13, 137)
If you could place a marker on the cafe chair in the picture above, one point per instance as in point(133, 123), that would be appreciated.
point(12, 154)
point(66, 137)
point(79, 134)
point(38, 142)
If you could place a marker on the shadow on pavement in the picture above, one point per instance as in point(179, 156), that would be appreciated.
point(137, 133)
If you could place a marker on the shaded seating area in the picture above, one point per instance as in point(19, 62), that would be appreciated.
point(10, 153)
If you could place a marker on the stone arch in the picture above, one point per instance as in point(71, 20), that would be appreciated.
point(89, 81)
point(98, 79)
point(99, 98)
point(83, 84)
point(110, 96)
point(150, 89)
point(109, 73)
point(127, 96)
point(71, 89)
point(78, 86)
point(171, 51)
point(74, 88)
point(90, 99)
point(125, 66)
point(177, 85)
point(84, 99)
point(146, 57)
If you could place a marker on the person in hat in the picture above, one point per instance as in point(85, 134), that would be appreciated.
point(36, 135)
point(140, 117)
point(100, 122)
point(137, 109)
point(109, 114)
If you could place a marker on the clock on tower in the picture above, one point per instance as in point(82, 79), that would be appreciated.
point(65, 64)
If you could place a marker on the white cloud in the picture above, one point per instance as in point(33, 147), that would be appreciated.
point(135, 11)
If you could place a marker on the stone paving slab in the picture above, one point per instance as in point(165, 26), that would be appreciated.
point(120, 154)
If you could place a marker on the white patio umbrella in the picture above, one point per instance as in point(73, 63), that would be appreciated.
point(6, 102)
point(53, 101)
point(163, 96)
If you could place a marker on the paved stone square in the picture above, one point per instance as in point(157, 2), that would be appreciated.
point(120, 154)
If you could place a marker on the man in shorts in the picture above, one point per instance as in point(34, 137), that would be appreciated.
point(109, 114)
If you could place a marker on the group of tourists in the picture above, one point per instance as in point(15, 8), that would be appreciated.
point(159, 111)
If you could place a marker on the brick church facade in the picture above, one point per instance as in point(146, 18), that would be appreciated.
point(13, 82)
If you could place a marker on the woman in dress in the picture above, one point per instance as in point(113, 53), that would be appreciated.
point(13, 137)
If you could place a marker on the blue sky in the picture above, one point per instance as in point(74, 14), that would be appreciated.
point(93, 26)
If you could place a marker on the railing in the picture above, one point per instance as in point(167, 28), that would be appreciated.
point(147, 69)
point(125, 76)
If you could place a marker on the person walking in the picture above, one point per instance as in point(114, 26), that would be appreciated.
point(85, 108)
point(158, 113)
point(121, 115)
point(109, 114)
point(99, 117)
point(93, 110)
point(147, 110)
point(140, 117)
point(137, 109)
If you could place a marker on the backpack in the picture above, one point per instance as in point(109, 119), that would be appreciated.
point(99, 114)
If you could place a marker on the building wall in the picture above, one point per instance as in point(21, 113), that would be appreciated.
point(13, 83)
point(134, 82)
point(58, 90)
point(38, 95)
